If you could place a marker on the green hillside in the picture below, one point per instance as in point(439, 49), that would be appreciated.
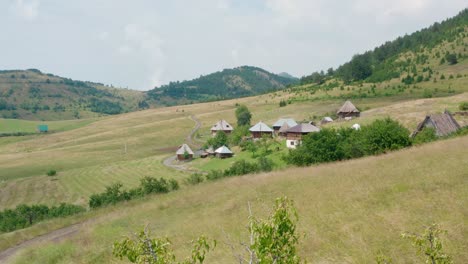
point(33, 95)
point(411, 59)
point(226, 84)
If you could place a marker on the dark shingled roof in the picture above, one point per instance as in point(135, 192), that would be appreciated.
point(303, 128)
point(444, 124)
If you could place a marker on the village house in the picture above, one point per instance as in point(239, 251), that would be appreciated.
point(184, 153)
point(223, 152)
point(222, 125)
point(288, 121)
point(261, 129)
point(443, 124)
point(295, 134)
point(348, 111)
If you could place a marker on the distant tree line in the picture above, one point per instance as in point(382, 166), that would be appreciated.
point(226, 84)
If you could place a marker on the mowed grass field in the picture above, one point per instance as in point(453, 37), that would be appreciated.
point(127, 147)
point(349, 212)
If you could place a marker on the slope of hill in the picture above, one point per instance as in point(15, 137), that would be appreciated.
point(226, 84)
point(31, 94)
point(349, 211)
point(400, 58)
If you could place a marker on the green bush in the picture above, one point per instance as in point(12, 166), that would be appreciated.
point(333, 145)
point(195, 178)
point(148, 185)
point(214, 175)
point(51, 172)
point(463, 106)
point(26, 215)
point(426, 135)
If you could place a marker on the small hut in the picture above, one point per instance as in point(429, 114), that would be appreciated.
point(222, 125)
point(261, 129)
point(184, 153)
point(42, 128)
point(283, 131)
point(295, 134)
point(326, 120)
point(348, 110)
point(288, 121)
point(223, 152)
point(444, 124)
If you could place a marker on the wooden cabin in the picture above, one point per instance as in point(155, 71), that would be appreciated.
point(223, 152)
point(278, 124)
point(295, 134)
point(184, 153)
point(222, 125)
point(348, 110)
point(260, 130)
point(444, 124)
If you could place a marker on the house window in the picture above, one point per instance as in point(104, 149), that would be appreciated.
point(292, 143)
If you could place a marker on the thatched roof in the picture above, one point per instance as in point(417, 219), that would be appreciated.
point(184, 148)
point(222, 125)
point(444, 124)
point(303, 128)
point(260, 127)
point(356, 127)
point(327, 119)
point(291, 122)
point(348, 107)
point(223, 150)
point(284, 128)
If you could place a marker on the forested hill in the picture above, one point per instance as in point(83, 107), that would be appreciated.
point(229, 83)
point(385, 62)
point(31, 94)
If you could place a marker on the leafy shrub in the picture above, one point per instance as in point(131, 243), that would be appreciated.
point(282, 103)
point(173, 185)
point(195, 178)
point(26, 215)
point(332, 145)
point(148, 185)
point(51, 172)
point(214, 175)
point(463, 106)
point(426, 135)
point(219, 140)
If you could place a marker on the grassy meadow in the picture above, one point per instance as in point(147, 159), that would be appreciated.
point(348, 211)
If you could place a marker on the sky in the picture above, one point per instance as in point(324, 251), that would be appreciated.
point(141, 44)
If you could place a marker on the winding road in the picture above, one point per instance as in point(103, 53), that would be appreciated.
point(66, 232)
point(170, 161)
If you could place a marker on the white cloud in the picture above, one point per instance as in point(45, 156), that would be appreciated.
point(27, 9)
point(144, 44)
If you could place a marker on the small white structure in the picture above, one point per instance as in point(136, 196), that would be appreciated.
point(356, 127)
point(326, 120)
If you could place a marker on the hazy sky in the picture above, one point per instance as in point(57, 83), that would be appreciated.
point(140, 44)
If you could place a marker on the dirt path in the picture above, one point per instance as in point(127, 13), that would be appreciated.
point(170, 161)
point(54, 236)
